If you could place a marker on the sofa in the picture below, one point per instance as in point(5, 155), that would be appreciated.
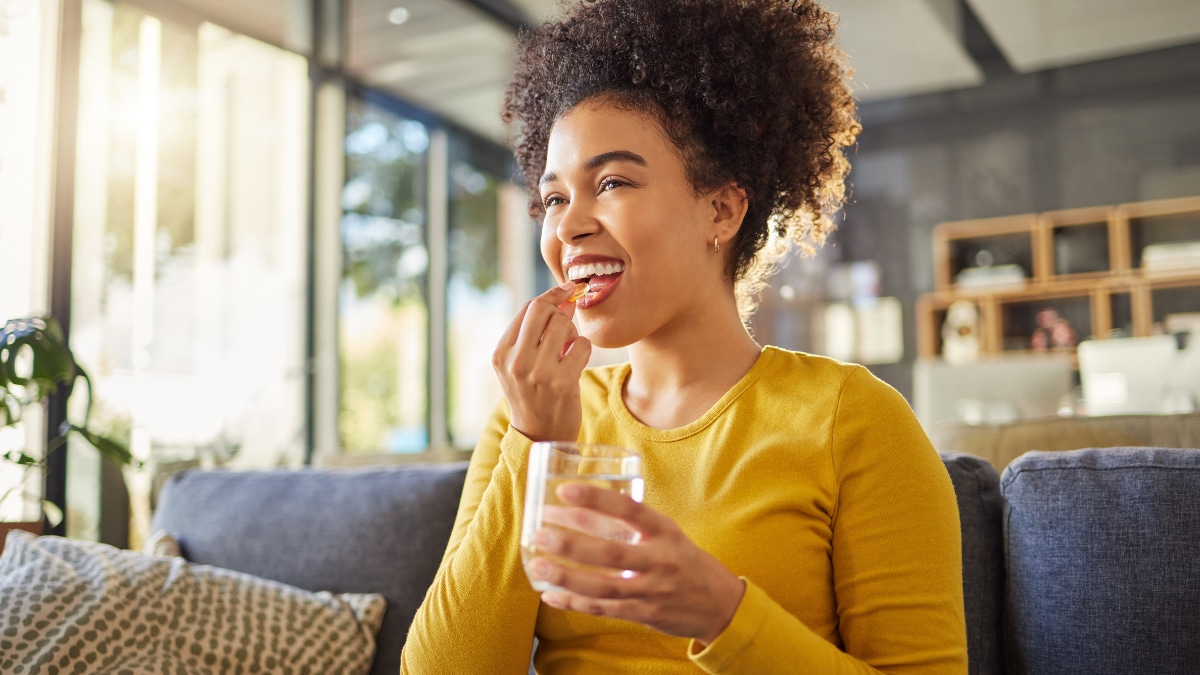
point(1002, 443)
point(1083, 561)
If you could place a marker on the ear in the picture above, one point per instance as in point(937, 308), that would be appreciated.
point(729, 206)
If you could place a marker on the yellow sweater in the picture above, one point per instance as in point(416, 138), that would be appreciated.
point(810, 478)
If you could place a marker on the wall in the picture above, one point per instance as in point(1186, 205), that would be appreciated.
point(1120, 130)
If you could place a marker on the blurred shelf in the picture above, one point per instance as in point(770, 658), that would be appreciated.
point(1085, 263)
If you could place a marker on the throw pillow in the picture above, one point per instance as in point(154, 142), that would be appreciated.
point(71, 606)
point(162, 543)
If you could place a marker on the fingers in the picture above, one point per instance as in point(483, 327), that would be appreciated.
point(539, 360)
point(544, 324)
point(641, 517)
point(611, 583)
point(555, 297)
point(577, 354)
point(598, 530)
point(558, 332)
point(594, 549)
point(568, 308)
point(589, 522)
point(509, 337)
point(664, 582)
point(559, 294)
point(623, 609)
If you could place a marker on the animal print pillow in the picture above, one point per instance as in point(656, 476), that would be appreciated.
point(71, 606)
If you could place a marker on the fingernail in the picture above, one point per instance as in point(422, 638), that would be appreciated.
point(569, 492)
point(543, 538)
point(538, 568)
point(567, 285)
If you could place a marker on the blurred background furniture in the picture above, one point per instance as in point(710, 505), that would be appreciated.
point(1000, 444)
point(1095, 267)
point(992, 390)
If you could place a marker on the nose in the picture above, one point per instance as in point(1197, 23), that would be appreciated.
point(576, 222)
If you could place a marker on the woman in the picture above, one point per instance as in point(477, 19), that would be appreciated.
point(796, 519)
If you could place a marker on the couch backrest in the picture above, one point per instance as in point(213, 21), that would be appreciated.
point(1101, 549)
point(1103, 560)
point(980, 508)
point(338, 530)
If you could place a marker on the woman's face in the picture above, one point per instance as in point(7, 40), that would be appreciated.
point(622, 215)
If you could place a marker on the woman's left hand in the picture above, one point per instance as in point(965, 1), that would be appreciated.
point(676, 587)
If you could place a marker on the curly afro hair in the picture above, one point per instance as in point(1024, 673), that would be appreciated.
point(749, 91)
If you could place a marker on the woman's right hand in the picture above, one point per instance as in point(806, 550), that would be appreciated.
point(539, 360)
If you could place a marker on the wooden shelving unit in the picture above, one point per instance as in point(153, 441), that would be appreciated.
point(1084, 262)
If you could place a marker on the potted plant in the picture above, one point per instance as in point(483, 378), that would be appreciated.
point(35, 363)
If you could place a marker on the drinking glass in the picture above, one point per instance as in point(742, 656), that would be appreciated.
point(554, 463)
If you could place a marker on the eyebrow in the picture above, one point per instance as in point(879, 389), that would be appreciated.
point(600, 160)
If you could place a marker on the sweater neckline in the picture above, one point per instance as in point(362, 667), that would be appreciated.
point(616, 402)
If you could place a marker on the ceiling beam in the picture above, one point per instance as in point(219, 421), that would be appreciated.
point(980, 44)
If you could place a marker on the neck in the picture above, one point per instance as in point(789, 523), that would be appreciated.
point(678, 373)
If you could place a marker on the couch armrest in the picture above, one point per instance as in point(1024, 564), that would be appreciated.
point(980, 508)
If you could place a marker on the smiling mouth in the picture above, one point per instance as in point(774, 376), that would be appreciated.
point(597, 275)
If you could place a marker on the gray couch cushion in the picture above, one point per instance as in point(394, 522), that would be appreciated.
point(339, 530)
point(1103, 557)
point(980, 508)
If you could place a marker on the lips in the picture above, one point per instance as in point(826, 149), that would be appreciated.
point(601, 273)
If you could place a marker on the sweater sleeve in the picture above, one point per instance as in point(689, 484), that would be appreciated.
point(896, 554)
point(478, 616)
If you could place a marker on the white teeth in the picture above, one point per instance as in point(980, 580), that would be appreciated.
point(577, 272)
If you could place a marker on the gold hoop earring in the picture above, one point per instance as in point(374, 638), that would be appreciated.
point(716, 244)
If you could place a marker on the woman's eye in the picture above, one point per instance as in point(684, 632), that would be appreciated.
point(552, 200)
point(610, 183)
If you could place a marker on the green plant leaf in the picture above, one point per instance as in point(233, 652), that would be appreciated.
point(51, 361)
point(112, 450)
point(52, 367)
point(20, 458)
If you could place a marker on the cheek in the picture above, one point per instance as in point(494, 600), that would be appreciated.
point(551, 250)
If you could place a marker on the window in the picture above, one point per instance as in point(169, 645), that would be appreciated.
point(27, 30)
point(383, 307)
point(387, 335)
point(490, 274)
point(188, 301)
point(191, 271)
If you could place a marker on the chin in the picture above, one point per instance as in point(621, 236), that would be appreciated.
point(608, 334)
